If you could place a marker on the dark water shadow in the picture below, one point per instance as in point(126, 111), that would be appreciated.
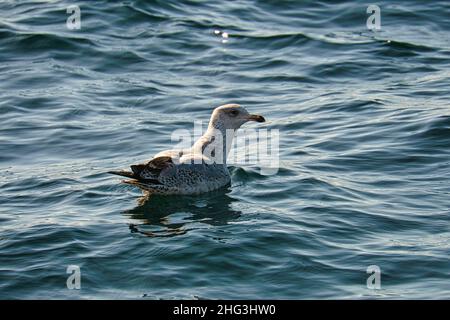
point(167, 216)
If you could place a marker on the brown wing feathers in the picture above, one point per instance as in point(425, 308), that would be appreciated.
point(148, 172)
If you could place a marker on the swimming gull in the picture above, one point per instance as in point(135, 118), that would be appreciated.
point(198, 169)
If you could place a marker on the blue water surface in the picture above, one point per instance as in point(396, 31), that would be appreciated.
point(364, 123)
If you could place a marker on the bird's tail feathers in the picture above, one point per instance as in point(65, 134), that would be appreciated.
point(123, 173)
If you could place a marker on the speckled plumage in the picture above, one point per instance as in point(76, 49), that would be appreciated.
point(199, 169)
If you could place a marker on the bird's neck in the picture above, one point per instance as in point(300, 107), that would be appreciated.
point(215, 143)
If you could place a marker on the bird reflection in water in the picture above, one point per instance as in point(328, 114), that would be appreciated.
point(167, 216)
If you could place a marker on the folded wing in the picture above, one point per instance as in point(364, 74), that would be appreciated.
point(149, 172)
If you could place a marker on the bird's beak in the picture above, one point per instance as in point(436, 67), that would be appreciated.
point(256, 117)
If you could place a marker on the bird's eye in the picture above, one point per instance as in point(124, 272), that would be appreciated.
point(234, 113)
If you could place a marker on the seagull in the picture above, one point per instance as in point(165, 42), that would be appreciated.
point(200, 168)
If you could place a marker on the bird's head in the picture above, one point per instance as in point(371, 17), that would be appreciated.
point(232, 116)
